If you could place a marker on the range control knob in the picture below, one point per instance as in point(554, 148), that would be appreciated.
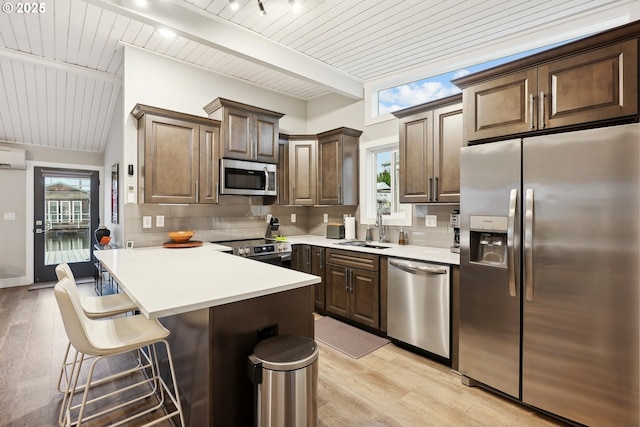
point(241, 251)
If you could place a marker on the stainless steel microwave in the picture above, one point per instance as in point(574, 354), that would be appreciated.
point(247, 178)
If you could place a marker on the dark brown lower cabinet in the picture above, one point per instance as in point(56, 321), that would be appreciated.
point(352, 292)
point(310, 259)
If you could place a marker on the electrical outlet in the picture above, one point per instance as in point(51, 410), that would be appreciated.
point(159, 220)
point(431, 220)
point(269, 216)
point(11, 216)
point(293, 218)
point(325, 218)
point(146, 222)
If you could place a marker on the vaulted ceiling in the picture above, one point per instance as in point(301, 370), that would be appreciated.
point(61, 68)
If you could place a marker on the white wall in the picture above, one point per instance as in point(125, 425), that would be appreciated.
point(165, 83)
point(13, 247)
point(114, 153)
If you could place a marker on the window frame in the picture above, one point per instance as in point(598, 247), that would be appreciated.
point(368, 184)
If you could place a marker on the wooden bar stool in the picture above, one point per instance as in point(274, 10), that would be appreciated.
point(104, 338)
point(95, 308)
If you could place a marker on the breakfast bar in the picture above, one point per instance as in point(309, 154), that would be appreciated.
point(215, 305)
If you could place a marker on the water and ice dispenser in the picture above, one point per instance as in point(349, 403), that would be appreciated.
point(488, 240)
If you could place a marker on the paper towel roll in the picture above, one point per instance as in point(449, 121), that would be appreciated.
point(350, 227)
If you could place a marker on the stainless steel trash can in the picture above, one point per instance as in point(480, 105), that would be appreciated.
point(284, 370)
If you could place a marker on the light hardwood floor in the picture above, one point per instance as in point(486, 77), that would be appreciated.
point(389, 387)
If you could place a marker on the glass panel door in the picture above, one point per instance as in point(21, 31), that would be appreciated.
point(65, 213)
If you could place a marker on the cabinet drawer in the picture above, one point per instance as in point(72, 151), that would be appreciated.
point(353, 259)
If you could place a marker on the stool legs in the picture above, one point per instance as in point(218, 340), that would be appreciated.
point(157, 387)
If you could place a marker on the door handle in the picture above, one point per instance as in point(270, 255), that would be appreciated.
point(528, 245)
point(511, 229)
point(413, 267)
point(531, 105)
point(38, 230)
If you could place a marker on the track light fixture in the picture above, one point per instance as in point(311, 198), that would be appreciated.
point(233, 4)
point(261, 7)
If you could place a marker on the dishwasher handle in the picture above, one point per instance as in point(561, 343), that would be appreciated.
point(413, 267)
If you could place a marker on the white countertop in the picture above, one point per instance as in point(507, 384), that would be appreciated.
point(164, 282)
point(421, 253)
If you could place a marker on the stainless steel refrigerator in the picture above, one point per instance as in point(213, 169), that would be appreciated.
point(550, 272)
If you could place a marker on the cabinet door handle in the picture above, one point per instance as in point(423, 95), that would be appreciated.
point(531, 105)
point(435, 190)
point(217, 190)
point(197, 192)
point(339, 193)
point(542, 125)
point(277, 194)
point(430, 189)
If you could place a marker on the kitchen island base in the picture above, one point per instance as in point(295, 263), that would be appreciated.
point(210, 349)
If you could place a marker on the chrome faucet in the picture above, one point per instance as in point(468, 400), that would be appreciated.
point(382, 230)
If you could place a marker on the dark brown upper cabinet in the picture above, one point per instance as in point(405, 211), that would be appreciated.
point(248, 132)
point(591, 80)
point(431, 136)
point(177, 156)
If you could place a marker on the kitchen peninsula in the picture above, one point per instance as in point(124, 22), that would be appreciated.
point(214, 304)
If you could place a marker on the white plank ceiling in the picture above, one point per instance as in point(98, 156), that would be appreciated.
point(61, 70)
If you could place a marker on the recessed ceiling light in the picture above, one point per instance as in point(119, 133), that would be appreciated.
point(295, 6)
point(166, 33)
point(233, 4)
point(141, 3)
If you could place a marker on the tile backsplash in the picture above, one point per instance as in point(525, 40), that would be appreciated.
point(246, 217)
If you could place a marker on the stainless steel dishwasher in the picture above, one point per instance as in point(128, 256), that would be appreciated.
point(418, 305)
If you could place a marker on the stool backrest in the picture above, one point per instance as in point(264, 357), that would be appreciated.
point(76, 323)
point(63, 270)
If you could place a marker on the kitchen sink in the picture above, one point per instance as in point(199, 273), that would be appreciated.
point(362, 244)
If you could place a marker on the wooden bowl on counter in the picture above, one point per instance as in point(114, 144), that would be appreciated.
point(181, 236)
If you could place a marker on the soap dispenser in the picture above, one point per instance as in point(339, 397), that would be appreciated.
point(402, 239)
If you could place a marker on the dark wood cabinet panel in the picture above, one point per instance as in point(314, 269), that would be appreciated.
point(248, 132)
point(310, 259)
point(337, 292)
point(302, 171)
point(431, 136)
point(177, 156)
point(209, 165)
point(505, 105)
point(317, 268)
point(365, 304)
point(338, 173)
point(283, 172)
point(597, 85)
point(353, 286)
point(448, 139)
point(576, 88)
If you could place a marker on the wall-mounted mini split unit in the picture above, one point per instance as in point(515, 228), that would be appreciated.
point(13, 158)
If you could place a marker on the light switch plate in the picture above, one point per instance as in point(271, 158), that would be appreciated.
point(431, 221)
point(293, 217)
point(159, 220)
point(146, 222)
point(269, 216)
point(325, 218)
point(9, 216)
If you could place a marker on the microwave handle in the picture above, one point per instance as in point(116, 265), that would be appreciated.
point(266, 179)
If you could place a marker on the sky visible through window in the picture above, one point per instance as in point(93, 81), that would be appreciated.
point(436, 87)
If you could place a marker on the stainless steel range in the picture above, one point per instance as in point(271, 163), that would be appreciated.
point(260, 249)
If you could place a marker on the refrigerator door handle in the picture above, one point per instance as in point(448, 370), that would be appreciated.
point(528, 245)
point(511, 229)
